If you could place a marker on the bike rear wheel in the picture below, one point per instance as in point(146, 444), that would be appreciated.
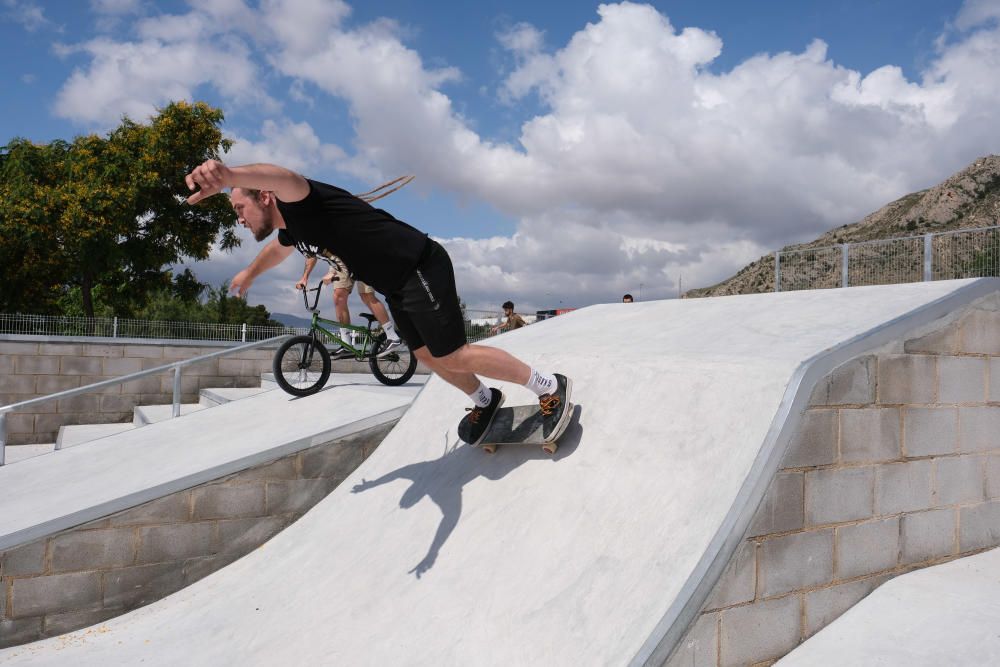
point(301, 366)
point(394, 368)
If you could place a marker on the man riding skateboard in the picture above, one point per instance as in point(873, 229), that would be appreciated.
point(409, 268)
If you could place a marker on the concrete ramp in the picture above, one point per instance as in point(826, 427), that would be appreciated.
point(436, 553)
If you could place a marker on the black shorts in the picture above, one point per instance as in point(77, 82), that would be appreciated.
point(426, 309)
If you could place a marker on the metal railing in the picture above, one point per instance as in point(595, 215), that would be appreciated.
point(964, 253)
point(176, 367)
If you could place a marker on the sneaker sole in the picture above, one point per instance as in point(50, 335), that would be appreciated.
point(490, 423)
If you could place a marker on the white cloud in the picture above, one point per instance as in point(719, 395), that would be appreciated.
point(27, 13)
point(292, 145)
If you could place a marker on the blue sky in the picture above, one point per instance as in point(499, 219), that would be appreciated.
point(565, 152)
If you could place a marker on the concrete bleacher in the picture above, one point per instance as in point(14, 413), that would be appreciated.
point(710, 504)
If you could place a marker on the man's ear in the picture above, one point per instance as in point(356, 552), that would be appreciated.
point(265, 197)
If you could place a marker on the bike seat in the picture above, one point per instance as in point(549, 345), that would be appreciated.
point(369, 317)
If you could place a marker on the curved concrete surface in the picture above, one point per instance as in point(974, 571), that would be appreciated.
point(944, 615)
point(435, 553)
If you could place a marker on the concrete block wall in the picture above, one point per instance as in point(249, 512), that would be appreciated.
point(88, 574)
point(896, 466)
point(33, 368)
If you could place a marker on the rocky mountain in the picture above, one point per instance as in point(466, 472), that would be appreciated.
point(967, 200)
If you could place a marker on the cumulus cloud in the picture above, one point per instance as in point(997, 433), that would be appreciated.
point(25, 12)
point(644, 164)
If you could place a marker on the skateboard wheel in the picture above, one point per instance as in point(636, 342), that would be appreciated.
point(490, 449)
point(550, 448)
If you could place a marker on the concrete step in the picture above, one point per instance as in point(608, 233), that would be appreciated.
point(78, 434)
point(212, 397)
point(17, 453)
point(150, 414)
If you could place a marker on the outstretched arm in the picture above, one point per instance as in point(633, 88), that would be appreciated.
point(304, 280)
point(211, 177)
point(273, 254)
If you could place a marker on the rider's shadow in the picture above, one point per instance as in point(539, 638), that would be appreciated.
point(442, 479)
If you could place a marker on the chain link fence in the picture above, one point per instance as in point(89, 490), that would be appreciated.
point(965, 253)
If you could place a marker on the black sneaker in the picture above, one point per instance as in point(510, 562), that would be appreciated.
point(340, 353)
point(474, 425)
point(554, 408)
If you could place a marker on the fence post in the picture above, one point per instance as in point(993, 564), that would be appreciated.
point(176, 408)
point(114, 329)
point(777, 270)
point(244, 332)
point(928, 257)
point(3, 435)
point(843, 264)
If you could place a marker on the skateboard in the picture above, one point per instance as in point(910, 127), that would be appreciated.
point(521, 425)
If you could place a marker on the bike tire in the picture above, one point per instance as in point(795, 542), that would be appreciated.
point(393, 369)
point(291, 371)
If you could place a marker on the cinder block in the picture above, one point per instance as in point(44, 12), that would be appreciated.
point(930, 431)
point(700, 646)
point(18, 348)
point(177, 541)
point(143, 351)
point(994, 381)
point(962, 379)
point(783, 507)
point(295, 495)
point(979, 429)
point(981, 332)
point(18, 384)
point(51, 384)
point(118, 403)
point(869, 435)
point(118, 366)
point(834, 496)
point(102, 350)
point(60, 349)
point(93, 379)
point(6, 364)
point(242, 536)
point(795, 562)
point(852, 383)
point(815, 442)
point(867, 548)
point(24, 560)
point(83, 403)
point(55, 594)
point(230, 367)
point(92, 549)
point(38, 365)
point(78, 365)
point(979, 526)
point(207, 367)
point(739, 580)
point(925, 536)
point(146, 385)
point(993, 476)
point(59, 624)
point(903, 487)
point(825, 606)
point(943, 341)
point(169, 509)
point(759, 632)
point(283, 468)
point(132, 587)
point(960, 479)
point(198, 568)
point(907, 378)
point(228, 501)
point(20, 631)
point(20, 423)
point(336, 459)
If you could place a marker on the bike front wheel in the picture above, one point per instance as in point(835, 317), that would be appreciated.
point(301, 366)
point(394, 368)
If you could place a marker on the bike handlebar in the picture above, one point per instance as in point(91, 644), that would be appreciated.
point(305, 296)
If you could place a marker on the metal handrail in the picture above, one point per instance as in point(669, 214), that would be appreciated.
point(175, 366)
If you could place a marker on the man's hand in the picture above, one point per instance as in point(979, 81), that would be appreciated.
point(329, 278)
point(301, 285)
point(211, 177)
point(241, 282)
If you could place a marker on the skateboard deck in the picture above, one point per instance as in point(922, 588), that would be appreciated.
point(521, 425)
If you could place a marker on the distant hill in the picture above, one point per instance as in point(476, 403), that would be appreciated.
point(969, 199)
point(291, 320)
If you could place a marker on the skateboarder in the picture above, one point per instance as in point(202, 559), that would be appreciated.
point(412, 270)
point(343, 283)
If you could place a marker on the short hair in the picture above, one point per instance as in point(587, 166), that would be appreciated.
point(627, 296)
point(250, 192)
point(508, 304)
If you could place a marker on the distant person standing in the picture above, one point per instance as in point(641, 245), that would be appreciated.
point(512, 320)
point(627, 298)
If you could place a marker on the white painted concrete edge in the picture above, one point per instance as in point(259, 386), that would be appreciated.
point(695, 591)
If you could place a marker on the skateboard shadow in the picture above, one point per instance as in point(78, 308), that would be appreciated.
point(442, 479)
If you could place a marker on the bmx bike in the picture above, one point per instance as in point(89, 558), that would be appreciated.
point(302, 363)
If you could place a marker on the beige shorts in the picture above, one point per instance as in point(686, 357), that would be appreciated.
point(342, 277)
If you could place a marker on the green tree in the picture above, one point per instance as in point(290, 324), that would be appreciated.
point(108, 212)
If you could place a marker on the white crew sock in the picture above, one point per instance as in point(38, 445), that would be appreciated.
point(390, 331)
point(345, 335)
point(541, 383)
point(482, 396)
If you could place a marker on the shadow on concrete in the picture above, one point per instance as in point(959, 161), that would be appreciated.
point(442, 479)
